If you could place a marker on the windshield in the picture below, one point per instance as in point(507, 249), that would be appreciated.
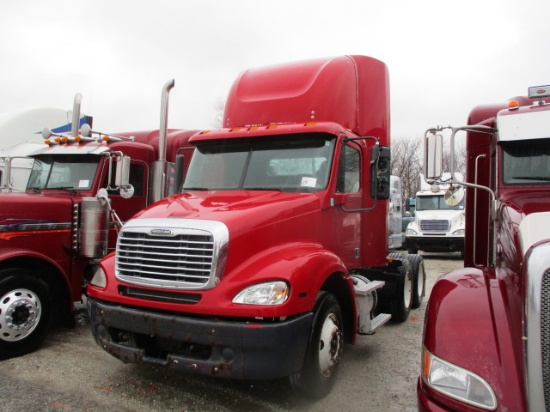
point(435, 202)
point(291, 163)
point(63, 172)
point(526, 161)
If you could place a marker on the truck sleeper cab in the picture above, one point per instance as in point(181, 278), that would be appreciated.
point(274, 255)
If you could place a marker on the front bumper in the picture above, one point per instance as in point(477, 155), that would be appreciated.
point(436, 244)
point(207, 346)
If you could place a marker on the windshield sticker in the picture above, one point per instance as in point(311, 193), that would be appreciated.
point(83, 183)
point(309, 181)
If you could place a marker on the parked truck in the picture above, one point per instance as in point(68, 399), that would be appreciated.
point(53, 235)
point(275, 254)
point(486, 343)
point(438, 223)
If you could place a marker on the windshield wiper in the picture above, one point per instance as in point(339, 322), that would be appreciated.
point(264, 188)
point(69, 189)
point(196, 188)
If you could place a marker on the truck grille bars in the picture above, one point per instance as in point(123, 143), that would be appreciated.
point(171, 253)
point(537, 326)
point(434, 225)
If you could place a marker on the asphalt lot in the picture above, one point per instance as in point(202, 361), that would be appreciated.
point(71, 373)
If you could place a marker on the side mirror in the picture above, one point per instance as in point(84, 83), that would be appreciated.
point(122, 173)
point(454, 195)
point(380, 172)
point(433, 156)
point(126, 192)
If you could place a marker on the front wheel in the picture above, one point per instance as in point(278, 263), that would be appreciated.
point(25, 312)
point(324, 351)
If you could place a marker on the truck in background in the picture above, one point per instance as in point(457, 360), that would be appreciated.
point(21, 136)
point(53, 235)
point(275, 254)
point(486, 340)
point(438, 224)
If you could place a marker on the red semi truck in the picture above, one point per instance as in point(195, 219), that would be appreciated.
point(53, 235)
point(486, 343)
point(275, 254)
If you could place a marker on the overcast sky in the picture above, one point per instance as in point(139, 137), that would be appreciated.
point(444, 57)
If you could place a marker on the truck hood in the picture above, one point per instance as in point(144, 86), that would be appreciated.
point(438, 214)
point(18, 210)
point(240, 211)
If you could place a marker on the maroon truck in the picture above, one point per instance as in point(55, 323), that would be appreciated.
point(53, 235)
point(486, 342)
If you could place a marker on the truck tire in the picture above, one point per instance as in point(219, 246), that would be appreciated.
point(324, 351)
point(25, 312)
point(401, 305)
point(419, 279)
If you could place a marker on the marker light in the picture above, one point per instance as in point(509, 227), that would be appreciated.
point(513, 105)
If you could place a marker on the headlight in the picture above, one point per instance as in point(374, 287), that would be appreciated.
point(411, 232)
point(459, 232)
point(269, 293)
point(99, 279)
point(456, 382)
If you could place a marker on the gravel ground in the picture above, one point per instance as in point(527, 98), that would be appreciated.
point(71, 373)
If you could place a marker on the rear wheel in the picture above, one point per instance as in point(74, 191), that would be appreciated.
point(401, 305)
point(25, 312)
point(324, 351)
point(419, 279)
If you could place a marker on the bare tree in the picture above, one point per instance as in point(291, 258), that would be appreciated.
point(459, 156)
point(406, 163)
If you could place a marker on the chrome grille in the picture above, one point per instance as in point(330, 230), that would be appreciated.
point(188, 256)
point(536, 275)
point(434, 225)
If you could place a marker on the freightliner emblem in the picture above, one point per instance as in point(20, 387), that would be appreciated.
point(160, 232)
